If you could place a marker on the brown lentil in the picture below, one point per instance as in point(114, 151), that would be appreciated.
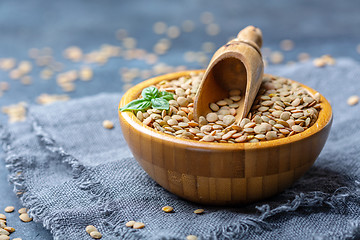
point(211, 117)
point(96, 235)
point(2, 223)
point(4, 237)
point(353, 100)
point(9, 209)
point(4, 232)
point(208, 138)
point(276, 57)
point(323, 61)
point(167, 209)
point(22, 210)
point(199, 211)
point(48, 99)
point(297, 128)
point(25, 217)
point(16, 112)
point(90, 229)
point(270, 135)
point(9, 229)
point(287, 44)
point(191, 237)
point(108, 124)
point(138, 225)
point(130, 223)
point(214, 107)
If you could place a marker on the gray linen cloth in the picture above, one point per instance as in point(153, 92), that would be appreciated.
point(73, 173)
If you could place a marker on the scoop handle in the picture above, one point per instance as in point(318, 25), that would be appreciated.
point(251, 34)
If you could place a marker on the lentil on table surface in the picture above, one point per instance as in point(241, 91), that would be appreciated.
point(282, 108)
point(22, 210)
point(5, 230)
point(25, 217)
point(108, 124)
point(9, 209)
point(353, 100)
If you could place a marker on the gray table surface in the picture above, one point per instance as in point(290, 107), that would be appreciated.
point(321, 27)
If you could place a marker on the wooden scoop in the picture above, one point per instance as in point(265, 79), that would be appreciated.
point(236, 65)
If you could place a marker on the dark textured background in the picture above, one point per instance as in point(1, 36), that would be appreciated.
point(316, 27)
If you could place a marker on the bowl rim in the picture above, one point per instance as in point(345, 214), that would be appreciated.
point(324, 118)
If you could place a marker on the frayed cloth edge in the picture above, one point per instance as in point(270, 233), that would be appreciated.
point(81, 174)
point(15, 163)
point(304, 200)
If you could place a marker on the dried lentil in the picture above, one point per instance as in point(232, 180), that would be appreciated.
point(4, 232)
point(138, 225)
point(48, 99)
point(167, 209)
point(191, 237)
point(16, 112)
point(323, 61)
point(96, 235)
point(22, 210)
point(108, 124)
point(9, 229)
point(353, 100)
point(214, 107)
point(130, 223)
point(25, 217)
point(276, 57)
point(211, 117)
point(199, 211)
point(208, 138)
point(4, 237)
point(90, 229)
point(287, 45)
point(86, 74)
point(2, 223)
point(297, 128)
point(9, 209)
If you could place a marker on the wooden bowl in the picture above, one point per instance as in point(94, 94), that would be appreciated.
point(222, 173)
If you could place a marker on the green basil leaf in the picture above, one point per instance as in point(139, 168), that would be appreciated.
point(150, 93)
point(160, 103)
point(138, 104)
point(166, 95)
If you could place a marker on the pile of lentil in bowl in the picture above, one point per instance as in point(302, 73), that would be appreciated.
point(281, 109)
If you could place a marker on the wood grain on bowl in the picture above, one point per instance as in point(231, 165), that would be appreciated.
point(222, 173)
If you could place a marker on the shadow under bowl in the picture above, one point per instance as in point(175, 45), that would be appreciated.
point(222, 173)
